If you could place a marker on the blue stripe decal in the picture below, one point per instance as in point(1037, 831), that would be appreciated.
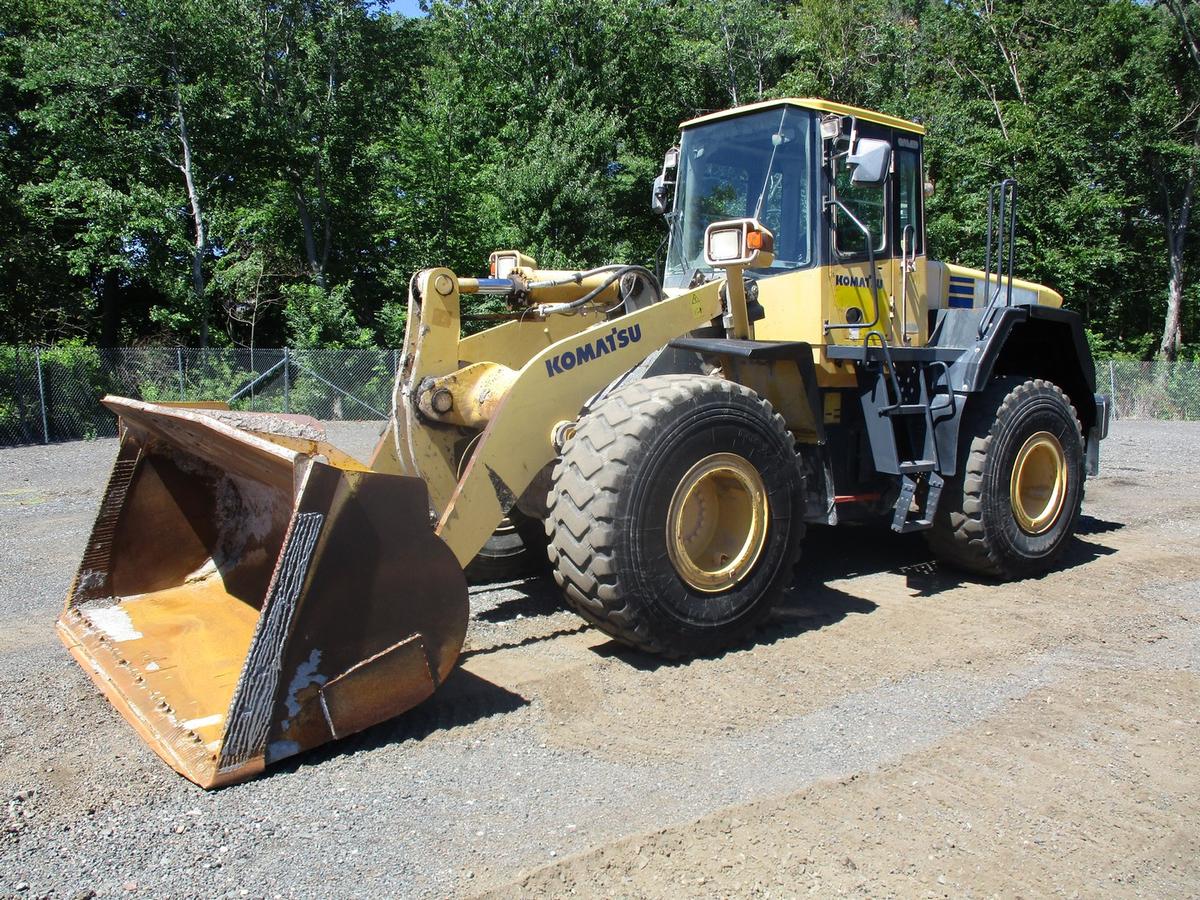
point(960, 302)
point(967, 278)
point(961, 292)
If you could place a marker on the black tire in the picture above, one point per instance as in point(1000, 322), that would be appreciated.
point(609, 504)
point(517, 549)
point(976, 527)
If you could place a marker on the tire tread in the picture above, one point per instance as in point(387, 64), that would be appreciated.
point(582, 526)
point(959, 535)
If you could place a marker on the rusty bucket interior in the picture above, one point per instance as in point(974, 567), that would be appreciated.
point(248, 595)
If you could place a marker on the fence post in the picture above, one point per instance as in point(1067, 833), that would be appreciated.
point(37, 356)
point(179, 364)
point(287, 402)
point(1112, 385)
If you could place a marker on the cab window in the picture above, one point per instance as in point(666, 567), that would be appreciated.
point(867, 204)
point(755, 164)
point(908, 169)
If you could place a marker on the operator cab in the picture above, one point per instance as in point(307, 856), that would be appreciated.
point(779, 162)
point(820, 177)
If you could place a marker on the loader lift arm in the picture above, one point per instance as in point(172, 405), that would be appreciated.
point(551, 386)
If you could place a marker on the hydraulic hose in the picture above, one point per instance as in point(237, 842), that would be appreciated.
point(575, 277)
point(617, 271)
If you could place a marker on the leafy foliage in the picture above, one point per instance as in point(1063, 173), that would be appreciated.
point(261, 172)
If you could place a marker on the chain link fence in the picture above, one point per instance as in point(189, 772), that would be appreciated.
point(1151, 390)
point(52, 394)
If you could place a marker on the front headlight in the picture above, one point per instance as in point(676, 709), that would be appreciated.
point(738, 242)
point(724, 245)
point(503, 263)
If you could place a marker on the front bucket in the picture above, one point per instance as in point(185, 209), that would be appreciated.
point(246, 596)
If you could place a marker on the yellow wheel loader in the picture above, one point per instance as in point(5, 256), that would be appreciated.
point(249, 592)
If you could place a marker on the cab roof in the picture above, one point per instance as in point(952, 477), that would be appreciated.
point(828, 106)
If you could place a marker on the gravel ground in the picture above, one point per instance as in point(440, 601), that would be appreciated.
point(896, 729)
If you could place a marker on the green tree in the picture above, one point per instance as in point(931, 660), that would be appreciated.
point(134, 115)
point(276, 170)
point(1170, 106)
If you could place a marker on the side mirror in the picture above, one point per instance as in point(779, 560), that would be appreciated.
point(658, 196)
point(871, 160)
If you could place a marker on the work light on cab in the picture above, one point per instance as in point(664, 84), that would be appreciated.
point(738, 242)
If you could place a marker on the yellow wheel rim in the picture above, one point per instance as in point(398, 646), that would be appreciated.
point(1039, 483)
point(717, 522)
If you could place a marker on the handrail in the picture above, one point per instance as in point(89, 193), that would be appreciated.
point(1002, 201)
point(891, 369)
point(908, 241)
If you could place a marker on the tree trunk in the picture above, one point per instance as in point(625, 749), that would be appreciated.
point(1172, 334)
point(1189, 39)
point(110, 310)
point(730, 49)
point(316, 262)
point(1177, 230)
point(200, 245)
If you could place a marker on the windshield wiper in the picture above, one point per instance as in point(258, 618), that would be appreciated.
point(776, 140)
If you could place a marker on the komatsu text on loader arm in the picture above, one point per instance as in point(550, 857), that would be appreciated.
point(249, 591)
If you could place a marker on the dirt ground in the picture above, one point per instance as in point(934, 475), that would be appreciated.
point(896, 730)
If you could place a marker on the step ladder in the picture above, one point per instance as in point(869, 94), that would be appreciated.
point(911, 513)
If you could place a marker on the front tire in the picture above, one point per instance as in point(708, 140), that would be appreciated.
point(675, 516)
point(1015, 501)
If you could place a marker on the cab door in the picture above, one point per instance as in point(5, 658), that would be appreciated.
point(859, 299)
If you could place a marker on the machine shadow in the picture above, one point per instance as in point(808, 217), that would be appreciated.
point(464, 698)
point(536, 596)
point(835, 553)
point(1089, 525)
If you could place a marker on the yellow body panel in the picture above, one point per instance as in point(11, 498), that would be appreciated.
point(1023, 291)
point(799, 304)
point(793, 303)
point(796, 306)
point(512, 343)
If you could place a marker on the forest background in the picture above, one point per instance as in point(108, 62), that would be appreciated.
point(238, 172)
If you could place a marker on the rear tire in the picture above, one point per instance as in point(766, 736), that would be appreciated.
point(517, 549)
point(1015, 501)
point(707, 455)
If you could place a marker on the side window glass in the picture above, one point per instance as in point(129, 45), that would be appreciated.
point(909, 173)
point(866, 202)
